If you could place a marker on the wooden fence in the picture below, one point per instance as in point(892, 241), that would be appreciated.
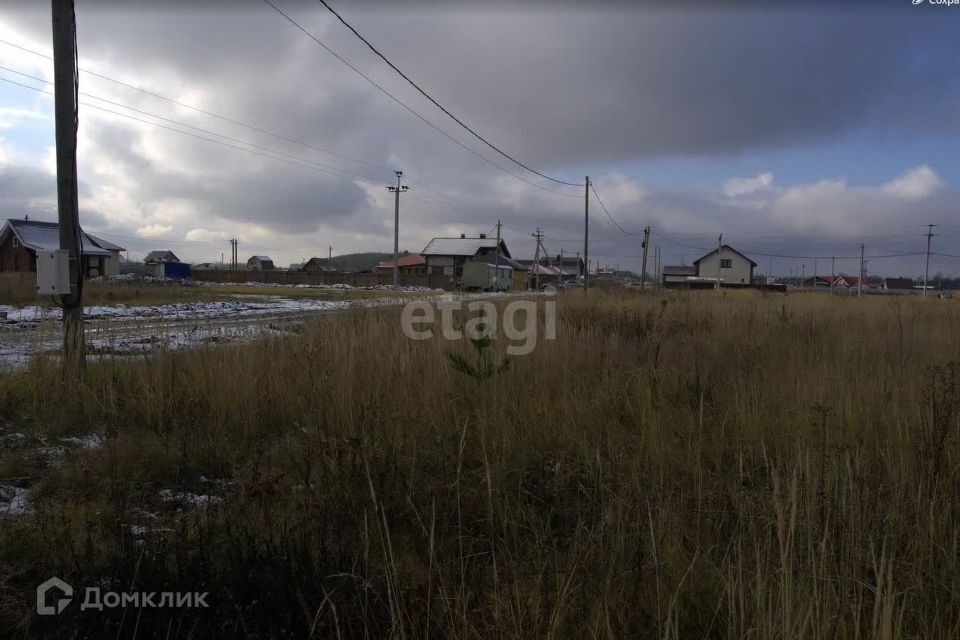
point(448, 283)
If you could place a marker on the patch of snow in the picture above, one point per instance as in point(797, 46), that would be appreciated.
point(14, 501)
point(89, 441)
point(185, 497)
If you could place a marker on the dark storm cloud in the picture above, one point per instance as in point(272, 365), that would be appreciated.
point(559, 87)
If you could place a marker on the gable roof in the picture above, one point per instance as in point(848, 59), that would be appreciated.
point(161, 256)
point(409, 260)
point(319, 264)
point(260, 258)
point(463, 246)
point(491, 259)
point(45, 236)
point(679, 270)
point(729, 248)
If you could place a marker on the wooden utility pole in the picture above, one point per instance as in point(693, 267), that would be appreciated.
point(397, 190)
point(643, 272)
point(67, 118)
point(860, 280)
point(497, 271)
point(586, 233)
point(926, 270)
point(719, 254)
point(538, 234)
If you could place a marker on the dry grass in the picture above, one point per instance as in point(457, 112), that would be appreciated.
point(22, 291)
point(679, 466)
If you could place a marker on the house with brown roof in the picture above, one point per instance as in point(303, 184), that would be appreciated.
point(409, 264)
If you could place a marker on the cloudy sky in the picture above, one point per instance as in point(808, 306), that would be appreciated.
point(799, 132)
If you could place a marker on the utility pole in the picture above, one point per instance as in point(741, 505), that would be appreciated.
point(833, 269)
point(560, 266)
point(643, 273)
point(329, 253)
point(719, 253)
point(926, 270)
point(586, 233)
point(860, 280)
point(497, 271)
point(814, 275)
point(538, 234)
point(66, 114)
point(397, 190)
point(803, 276)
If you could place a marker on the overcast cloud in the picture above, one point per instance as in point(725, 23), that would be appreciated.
point(608, 93)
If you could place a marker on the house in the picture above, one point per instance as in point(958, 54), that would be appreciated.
point(445, 256)
point(20, 240)
point(900, 284)
point(410, 264)
point(260, 263)
point(320, 265)
point(727, 264)
point(156, 257)
point(157, 261)
point(676, 275)
point(819, 282)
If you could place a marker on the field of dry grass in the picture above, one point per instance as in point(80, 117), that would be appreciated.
point(20, 291)
point(684, 465)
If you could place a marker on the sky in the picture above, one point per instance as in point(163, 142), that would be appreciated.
point(797, 133)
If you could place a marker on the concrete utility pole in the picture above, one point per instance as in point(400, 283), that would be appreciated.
point(860, 281)
point(814, 275)
point(560, 266)
point(719, 254)
point(586, 232)
point(497, 272)
point(643, 273)
point(926, 270)
point(66, 114)
point(397, 190)
point(329, 253)
point(803, 276)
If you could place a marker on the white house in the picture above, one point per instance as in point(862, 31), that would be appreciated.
point(728, 264)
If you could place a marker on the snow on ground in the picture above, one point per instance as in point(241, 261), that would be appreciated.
point(14, 501)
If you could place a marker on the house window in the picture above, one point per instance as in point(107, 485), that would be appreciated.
point(726, 263)
point(16, 242)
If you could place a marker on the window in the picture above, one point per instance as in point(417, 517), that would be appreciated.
point(726, 263)
point(16, 242)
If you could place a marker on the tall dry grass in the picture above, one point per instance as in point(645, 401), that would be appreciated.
point(672, 466)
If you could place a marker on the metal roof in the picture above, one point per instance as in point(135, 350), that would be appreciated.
point(461, 246)
point(681, 270)
point(45, 236)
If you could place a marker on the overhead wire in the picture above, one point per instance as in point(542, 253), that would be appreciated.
point(205, 111)
point(440, 106)
point(408, 107)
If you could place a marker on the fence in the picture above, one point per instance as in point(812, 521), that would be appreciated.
point(448, 283)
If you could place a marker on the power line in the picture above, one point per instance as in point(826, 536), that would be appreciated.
point(440, 106)
point(409, 108)
point(204, 111)
point(207, 131)
point(617, 225)
point(297, 162)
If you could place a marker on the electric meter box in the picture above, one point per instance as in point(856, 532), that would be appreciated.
point(53, 273)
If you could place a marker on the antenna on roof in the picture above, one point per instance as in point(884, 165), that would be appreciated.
point(26, 218)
